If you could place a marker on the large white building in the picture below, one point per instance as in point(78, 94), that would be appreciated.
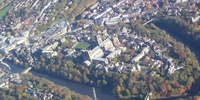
point(96, 54)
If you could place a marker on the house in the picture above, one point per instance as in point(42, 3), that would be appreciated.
point(87, 63)
point(124, 30)
point(51, 47)
point(94, 6)
point(113, 54)
point(113, 21)
point(141, 55)
point(195, 19)
point(152, 73)
point(2, 85)
point(103, 13)
point(181, 1)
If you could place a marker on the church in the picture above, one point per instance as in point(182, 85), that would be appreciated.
point(105, 51)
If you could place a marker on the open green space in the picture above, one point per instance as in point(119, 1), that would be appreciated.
point(82, 46)
point(4, 11)
point(1, 1)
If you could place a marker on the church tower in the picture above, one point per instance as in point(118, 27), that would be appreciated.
point(99, 40)
point(116, 41)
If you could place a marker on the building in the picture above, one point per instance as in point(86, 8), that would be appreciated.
point(141, 55)
point(104, 47)
point(181, 1)
point(195, 19)
point(51, 47)
point(6, 49)
point(99, 40)
point(116, 42)
point(103, 13)
point(107, 45)
point(87, 63)
point(100, 60)
point(112, 21)
point(94, 6)
point(113, 54)
point(97, 52)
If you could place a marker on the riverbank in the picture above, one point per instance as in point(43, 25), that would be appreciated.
point(178, 39)
point(77, 87)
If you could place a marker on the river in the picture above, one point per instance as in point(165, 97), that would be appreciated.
point(178, 39)
point(77, 87)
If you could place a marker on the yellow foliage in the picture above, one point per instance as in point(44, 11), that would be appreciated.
point(149, 6)
point(197, 98)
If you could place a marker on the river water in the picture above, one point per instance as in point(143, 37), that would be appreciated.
point(178, 39)
point(77, 87)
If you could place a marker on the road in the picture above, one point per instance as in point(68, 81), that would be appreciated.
point(1, 61)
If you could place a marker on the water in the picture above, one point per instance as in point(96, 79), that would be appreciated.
point(178, 39)
point(77, 87)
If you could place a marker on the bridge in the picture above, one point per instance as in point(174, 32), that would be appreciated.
point(94, 94)
point(148, 21)
point(26, 70)
point(147, 96)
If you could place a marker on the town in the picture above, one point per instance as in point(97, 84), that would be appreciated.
point(98, 49)
point(92, 40)
point(98, 14)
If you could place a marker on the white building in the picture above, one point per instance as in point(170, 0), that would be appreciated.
point(141, 55)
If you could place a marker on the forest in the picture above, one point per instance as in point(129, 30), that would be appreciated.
point(17, 92)
point(190, 32)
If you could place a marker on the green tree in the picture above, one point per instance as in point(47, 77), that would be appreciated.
point(126, 57)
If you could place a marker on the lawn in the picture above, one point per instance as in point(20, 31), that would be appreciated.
point(82, 46)
point(4, 11)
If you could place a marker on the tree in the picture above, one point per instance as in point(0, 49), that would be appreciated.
point(8, 34)
point(166, 2)
point(151, 54)
point(141, 96)
point(151, 88)
point(127, 93)
point(19, 97)
point(117, 90)
point(197, 98)
point(181, 54)
point(70, 63)
point(0, 55)
point(104, 82)
point(85, 79)
point(149, 6)
point(126, 57)
point(150, 80)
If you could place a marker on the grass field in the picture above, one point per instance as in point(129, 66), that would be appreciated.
point(1, 1)
point(82, 46)
point(4, 11)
